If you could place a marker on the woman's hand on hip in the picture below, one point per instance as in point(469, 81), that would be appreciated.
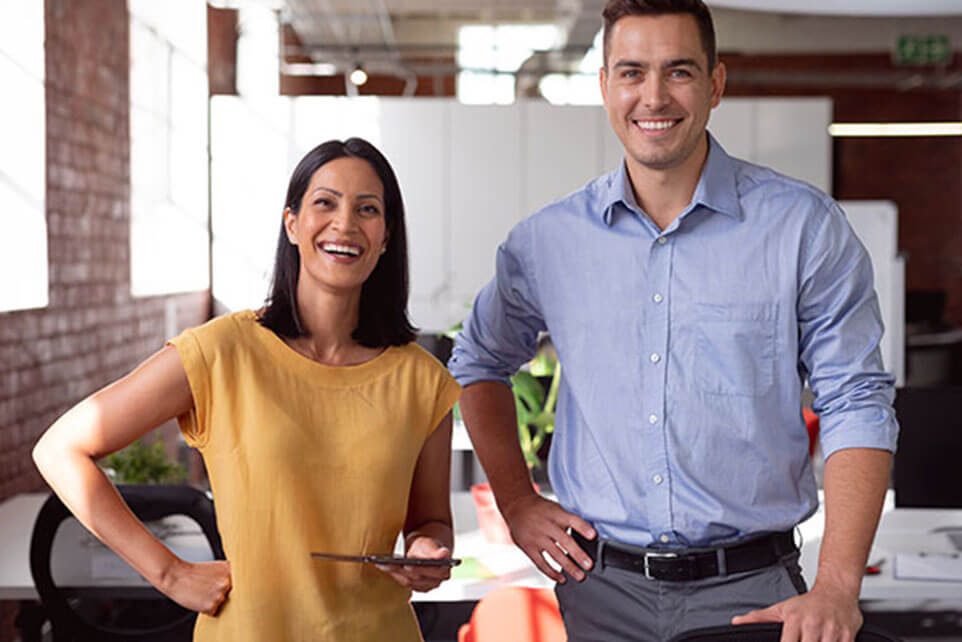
point(200, 586)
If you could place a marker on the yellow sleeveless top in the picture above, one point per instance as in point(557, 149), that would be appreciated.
point(305, 457)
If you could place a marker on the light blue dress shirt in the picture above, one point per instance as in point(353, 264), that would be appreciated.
point(684, 352)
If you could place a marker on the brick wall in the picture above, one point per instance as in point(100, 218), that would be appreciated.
point(92, 331)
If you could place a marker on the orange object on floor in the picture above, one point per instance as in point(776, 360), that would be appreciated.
point(515, 614)
point(811, 423)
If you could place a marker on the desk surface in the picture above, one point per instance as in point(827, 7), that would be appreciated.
point(77, 558)
point(900, 530)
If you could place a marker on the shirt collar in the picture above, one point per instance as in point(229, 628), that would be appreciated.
point(716, 188)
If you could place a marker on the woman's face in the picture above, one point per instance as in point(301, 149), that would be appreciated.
point(340, 230)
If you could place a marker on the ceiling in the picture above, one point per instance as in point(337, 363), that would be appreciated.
point(420, 37)
point(849, 7)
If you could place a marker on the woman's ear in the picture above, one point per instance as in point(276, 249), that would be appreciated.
point(290, 218)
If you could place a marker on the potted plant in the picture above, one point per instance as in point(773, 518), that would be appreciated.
point(535, 408)
point(142, 463)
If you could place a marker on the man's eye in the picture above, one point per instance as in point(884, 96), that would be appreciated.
point(680, 73)
point(629, 73)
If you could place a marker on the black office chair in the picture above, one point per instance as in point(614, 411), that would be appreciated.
point(153, 619)
point(764, 632)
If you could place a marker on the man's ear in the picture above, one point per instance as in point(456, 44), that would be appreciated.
point(718, 79)
point(289, 219)
point(602, 80)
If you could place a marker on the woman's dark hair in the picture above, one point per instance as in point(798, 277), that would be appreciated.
point(382, 320)
point(617, 9)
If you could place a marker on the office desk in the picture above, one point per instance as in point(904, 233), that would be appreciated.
point(900, 530)
point(78, 559)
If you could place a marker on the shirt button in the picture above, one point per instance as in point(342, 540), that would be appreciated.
point(662, 240)
point(655, 358)
point(657, 479)
point(657, 298)
point(652, 419)
point(664, 539)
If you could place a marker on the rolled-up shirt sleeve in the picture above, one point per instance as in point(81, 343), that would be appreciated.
point(501, 332)
point(840, 330)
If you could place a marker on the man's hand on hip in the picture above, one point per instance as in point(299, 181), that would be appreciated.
point(539, 525)
point(821, 615)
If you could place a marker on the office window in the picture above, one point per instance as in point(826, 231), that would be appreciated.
point(490, 54)
point(169, 250)
point(576, 89)
point(23, 225)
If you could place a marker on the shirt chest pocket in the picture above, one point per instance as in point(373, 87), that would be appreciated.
point(735, 348)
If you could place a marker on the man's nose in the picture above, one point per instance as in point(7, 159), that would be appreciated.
point(654, 92)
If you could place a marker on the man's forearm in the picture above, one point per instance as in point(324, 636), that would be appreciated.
point(855, 483)
point(490, 417)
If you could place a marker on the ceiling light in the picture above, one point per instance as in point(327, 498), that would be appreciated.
point(358, 76)
point(894, 129)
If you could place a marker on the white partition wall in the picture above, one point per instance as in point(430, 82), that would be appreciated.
point(468, 174)
point(876, 224)
point(789, 135)
point(414, 137)
point(554, 132)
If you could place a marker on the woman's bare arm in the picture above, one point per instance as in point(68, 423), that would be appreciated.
point(427, 529)
point(103, 423)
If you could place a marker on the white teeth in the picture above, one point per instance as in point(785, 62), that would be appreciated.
point(656, 125)
point(341, 249)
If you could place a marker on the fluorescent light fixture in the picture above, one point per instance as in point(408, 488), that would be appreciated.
point(358, 76)
point(845, 130)
point(308, 69)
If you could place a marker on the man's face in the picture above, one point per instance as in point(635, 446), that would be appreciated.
point(658, 90)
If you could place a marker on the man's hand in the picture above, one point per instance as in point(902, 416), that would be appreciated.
point(539, 525)
point(421, 578)
point(821, 615)
point(201, 586)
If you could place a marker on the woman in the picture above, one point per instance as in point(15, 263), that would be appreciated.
point(322, 426)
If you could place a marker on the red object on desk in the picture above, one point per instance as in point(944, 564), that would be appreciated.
point(811, 424)
point(515, 614)
point(493, 527)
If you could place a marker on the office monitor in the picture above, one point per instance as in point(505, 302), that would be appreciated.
point(928, 464)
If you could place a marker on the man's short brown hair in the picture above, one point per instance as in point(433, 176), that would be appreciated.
point(617, 9)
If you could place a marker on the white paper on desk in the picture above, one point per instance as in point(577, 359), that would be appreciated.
point(942, 567)
point(105, 565)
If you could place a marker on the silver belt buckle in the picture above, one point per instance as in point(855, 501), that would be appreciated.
point(648, 568)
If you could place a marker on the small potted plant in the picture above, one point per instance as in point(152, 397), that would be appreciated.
point(143, 463)
point(535, 408)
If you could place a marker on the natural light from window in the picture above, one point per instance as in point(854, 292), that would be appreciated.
point(490, 54)
point(169, 247)
point(576, 89)
point(23, 226)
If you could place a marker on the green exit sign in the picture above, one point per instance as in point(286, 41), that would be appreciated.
point(923, 50)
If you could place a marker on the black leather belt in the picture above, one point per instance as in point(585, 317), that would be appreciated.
point(690, 565)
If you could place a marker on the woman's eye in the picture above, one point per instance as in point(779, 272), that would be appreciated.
point(323, 202)
point(370, 209)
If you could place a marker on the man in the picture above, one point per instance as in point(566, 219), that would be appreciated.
point(689, 295)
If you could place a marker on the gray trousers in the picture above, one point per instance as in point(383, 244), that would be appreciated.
point(613, 604)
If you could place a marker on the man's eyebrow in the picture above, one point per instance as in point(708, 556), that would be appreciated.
point(681, 62)
point(629, 63)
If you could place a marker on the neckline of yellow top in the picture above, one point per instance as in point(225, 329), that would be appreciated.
point(319, 373)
